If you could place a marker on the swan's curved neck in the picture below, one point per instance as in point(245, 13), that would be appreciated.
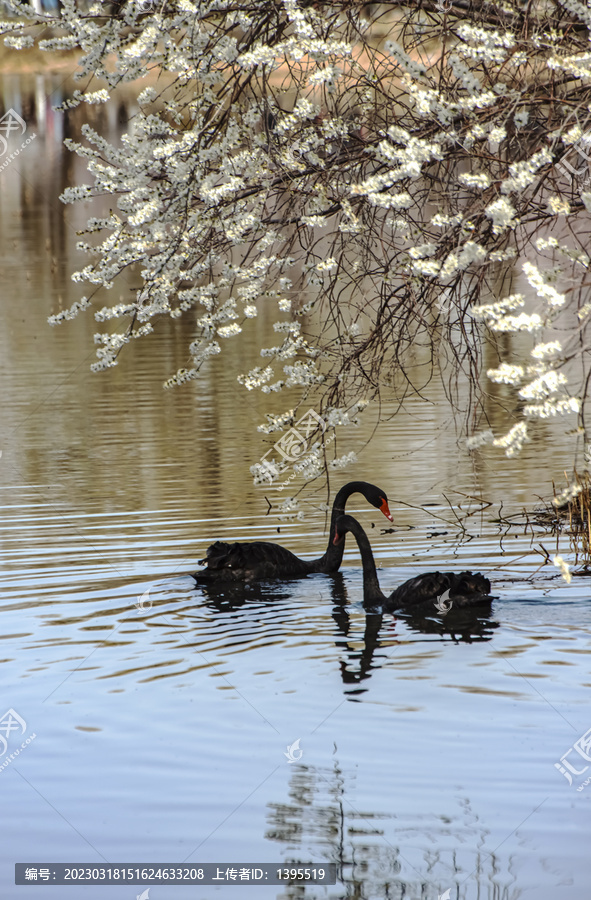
point(333, 555)
point(372, 592)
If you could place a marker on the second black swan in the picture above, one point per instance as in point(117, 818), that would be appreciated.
point(465, 588)
point(258, 560)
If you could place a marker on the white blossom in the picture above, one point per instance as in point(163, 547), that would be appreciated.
point(479, 440)
point(564, 567)
point(542, 351)
point(19, 43)
point(314, 221)
point(403, 59)
point(70, 313)
point(471, 252)
point(326, 265)
point(450, 266)
point(424, 250)
point(486, 44)
point(440, 220)
point(578, 64)
point(146, 96)
point(289, 509)
point(569, 494)
point(343, 461)
point(502, 214)
point(467, 77)
point(544, 384)
point(506, 374)
point(229, 330)
point(496, 135)
point(513, 441)
point(425, 267)
point(495, 311)
point(302, 373)
point(523, 173)
point(552, 407)
point(542, 288)
point(287, 327)
point(277, 423)
point(478, 180)
point(501, 255)
point(312, 466)
point(256, 377)
point(559, 206)
point(523, 322)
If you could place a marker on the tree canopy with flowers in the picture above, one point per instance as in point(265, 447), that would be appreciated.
point(382, 175)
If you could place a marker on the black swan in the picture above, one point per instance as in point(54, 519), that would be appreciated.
point(461, 590)
point(258, 560)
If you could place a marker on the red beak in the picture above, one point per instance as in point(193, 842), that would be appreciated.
point(386, 510)
point(337, 539)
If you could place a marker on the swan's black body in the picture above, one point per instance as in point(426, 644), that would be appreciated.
point(259, 560)
point(465, 589)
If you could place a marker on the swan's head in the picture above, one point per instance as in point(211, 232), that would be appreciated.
point(378, 499)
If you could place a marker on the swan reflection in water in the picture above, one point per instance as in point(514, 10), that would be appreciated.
point(381, 632)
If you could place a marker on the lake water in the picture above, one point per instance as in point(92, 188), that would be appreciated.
point(427, 749)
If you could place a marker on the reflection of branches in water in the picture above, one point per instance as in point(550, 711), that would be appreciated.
point(319, 822)
point(328, 829)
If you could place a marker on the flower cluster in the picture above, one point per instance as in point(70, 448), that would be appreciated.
point(295, 168)
point(542, 384)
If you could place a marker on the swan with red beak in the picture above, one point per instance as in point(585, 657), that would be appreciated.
point(262, 560)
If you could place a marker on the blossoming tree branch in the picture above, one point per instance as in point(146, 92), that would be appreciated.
point(380, 176)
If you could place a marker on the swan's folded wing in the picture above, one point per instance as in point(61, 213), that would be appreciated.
point(422, 589)
point(215, 555)
point(265, 559)
point(467, 583)
point(469, 589)
point(465, 589)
